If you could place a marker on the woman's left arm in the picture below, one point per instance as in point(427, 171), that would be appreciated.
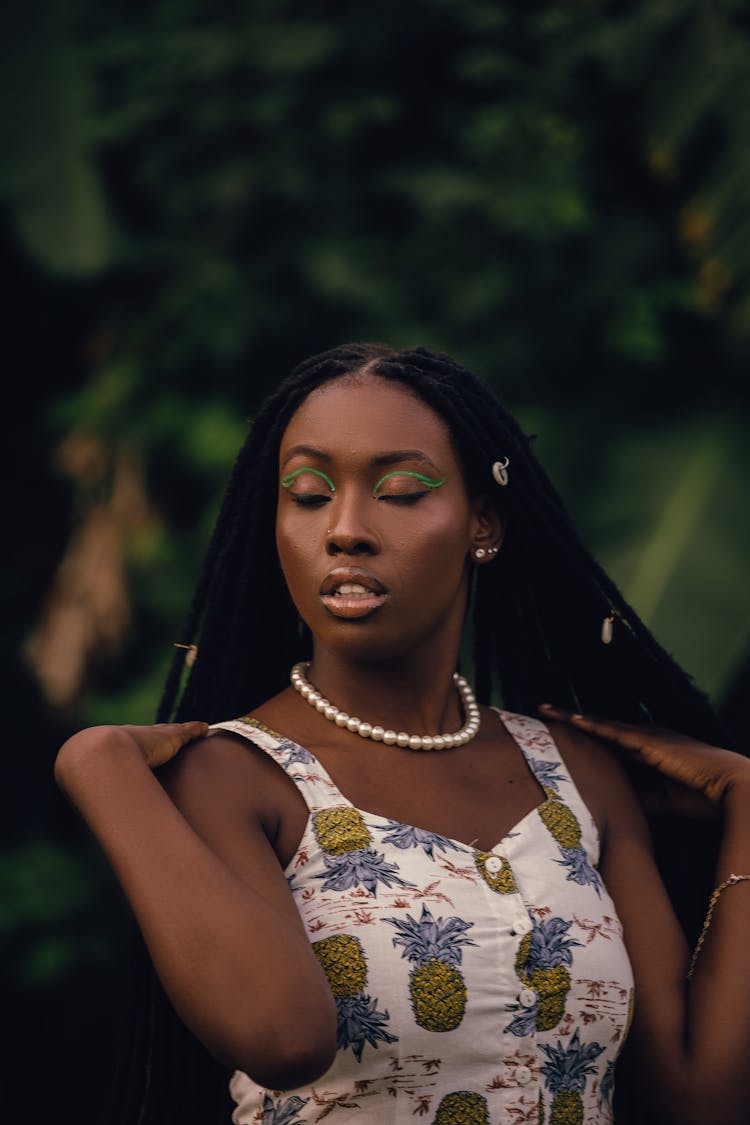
point(693, 1037)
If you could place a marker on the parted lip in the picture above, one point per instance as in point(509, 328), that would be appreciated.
point(338, 577)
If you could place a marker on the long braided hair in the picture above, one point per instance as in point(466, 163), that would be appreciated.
point(537, 614)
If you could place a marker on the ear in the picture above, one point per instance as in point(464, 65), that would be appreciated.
point(487, 533)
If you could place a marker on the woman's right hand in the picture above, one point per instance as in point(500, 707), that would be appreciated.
point(93, 747)
point(162, 741)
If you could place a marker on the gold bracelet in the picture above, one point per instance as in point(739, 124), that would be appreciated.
point(709, 915)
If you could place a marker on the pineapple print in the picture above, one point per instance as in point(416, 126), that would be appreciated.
point(501, 881)
point(462, 1107)
point(349, 858)
point(284, 1111)
point(405, 836)
point(565, 1075)
point(341, 830)
point(563, 826)
point(436, 987)
point(542, 961)
point(342, 959)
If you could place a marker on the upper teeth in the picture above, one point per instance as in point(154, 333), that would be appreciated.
point(352, 588)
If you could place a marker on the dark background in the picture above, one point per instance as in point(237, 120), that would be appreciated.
point(193, 197)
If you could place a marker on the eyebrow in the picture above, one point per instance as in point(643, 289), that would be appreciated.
point(392, 457)
point(306, 451)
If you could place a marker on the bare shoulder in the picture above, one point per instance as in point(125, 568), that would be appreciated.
point(601, 780)
point(225, 778)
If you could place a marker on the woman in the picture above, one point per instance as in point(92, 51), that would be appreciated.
point(394, 901)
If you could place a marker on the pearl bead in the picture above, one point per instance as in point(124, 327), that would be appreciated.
point(377, 733)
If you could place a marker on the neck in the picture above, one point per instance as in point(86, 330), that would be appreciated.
point(414, 694)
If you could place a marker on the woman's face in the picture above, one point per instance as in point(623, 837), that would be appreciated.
point(374, 523)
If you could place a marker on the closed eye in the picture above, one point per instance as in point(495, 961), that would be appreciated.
point(309, 499)
point(405, 498)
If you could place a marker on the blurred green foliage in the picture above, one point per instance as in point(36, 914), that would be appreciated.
point(195, 196)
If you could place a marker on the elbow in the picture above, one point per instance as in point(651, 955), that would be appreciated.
point(282, 1054)
point(284, 1062)
point(295, 1063)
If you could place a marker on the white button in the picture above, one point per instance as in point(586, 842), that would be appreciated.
point(523, 1074)
point(521, 924)
point(493, 864)
point(527, 998)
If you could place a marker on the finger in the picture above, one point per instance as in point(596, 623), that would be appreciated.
point(611, 730)
point(183, 732)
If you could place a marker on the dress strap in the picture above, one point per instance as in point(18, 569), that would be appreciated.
point(548, 767)
point(304, 769)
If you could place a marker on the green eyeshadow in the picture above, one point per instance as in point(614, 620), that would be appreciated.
point(288, 481)
point(428, 482)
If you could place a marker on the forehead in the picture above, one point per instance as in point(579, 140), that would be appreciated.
point(367, 414)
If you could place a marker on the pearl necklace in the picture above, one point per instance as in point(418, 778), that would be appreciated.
point(390, 737)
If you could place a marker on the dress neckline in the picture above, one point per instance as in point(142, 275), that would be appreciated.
point(324, 775)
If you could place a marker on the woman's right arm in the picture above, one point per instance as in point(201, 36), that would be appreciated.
point(225, 939)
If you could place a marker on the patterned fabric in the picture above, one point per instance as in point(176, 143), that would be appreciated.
point(472, 987)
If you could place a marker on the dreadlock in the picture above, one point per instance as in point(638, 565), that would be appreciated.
point(537, 611)
point(537, 615)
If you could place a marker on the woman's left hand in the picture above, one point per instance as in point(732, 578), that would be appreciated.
point(708, 770)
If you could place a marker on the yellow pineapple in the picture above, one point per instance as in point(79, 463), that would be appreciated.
point(567, 1109)
point(560, 821)
point(541, 964)
point(341, 830)
point(436, 987)
point(462, 1107)
point(359, 1021)
point(501, 881)
point(438, 996)
point(343, 961)
point(565, 1076)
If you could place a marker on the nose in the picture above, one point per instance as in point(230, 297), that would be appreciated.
point(351, 533)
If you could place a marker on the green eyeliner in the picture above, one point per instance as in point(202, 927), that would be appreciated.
point(429, 482)
point(288, 481)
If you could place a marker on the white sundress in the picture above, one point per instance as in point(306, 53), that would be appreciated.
point(471, 987)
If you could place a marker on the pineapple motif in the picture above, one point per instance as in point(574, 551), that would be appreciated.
point(406, 836)
point(541, 964)
point(341, 830)
point(560, 821)
point(284, 1111)
point(349, 858)
point(563, 826)
point(462, 1107)
point(565, 1076)
point(607, 1086)
point(358, 1020)
point(501, 881)
point(436, 987)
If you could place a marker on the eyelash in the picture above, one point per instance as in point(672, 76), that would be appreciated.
point(317, 500)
